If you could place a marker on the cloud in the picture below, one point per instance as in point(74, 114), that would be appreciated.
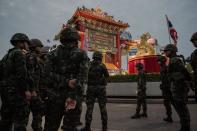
point(11, 4)
point(3, 14)
point(43, 18)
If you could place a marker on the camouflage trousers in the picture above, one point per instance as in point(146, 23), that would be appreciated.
point(55, 112)
point(37, 109)
point(179, 101)
point(99, 93)
point(183, 112)
point(167, 98)
point(141, 102)
point(14, 110)
point(79, 110)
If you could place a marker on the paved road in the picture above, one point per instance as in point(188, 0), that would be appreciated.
point(119, 118)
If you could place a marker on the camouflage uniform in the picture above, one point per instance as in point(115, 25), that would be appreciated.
point(178, 76)
point(165, 87)
point(16, 81)
point(194, 63)
point(141, 92)
point(35, 70)
point(65, 63)
point(96, 90)
point(43, 90)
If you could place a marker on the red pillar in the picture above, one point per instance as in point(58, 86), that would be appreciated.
point(118, 54)
point(82, 40)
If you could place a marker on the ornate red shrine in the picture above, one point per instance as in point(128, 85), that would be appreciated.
point(99, 32)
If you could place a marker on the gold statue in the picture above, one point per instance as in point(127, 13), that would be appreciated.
point(144, 48)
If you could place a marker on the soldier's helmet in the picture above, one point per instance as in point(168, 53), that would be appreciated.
point(194, 37)
point(97, 55)
point(139, 66)
point(35, 43)
point(170, 47)
point(19, 37)
point(161, 59)
point(69, 34)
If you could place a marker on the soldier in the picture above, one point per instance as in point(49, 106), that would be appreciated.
point(178, 77)
point(43, 90)
point(96, 90)
point(141, 92)
point(66, 69)
point(165, 87)
point(34, 69)
point(194, 62)
point(17, 86)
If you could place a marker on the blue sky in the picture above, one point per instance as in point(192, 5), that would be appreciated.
point(43, 18)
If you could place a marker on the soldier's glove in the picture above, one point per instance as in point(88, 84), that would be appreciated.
point(33, 94)
point(70, 104)
point(24, 52)
point(28, 95)
point(72, 83)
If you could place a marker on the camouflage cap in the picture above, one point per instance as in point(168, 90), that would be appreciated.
point(69, 34)
point(194, 37)
point(19, 37)
point(170, 47)
point(35, 43)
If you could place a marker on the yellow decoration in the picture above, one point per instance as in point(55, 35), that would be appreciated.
point(144, 48)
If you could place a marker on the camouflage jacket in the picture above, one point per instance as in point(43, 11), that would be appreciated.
point(97, 74)
point(165, 82)
point(141, 81)
point(177, 71)
point(63, 64)
point(194, 61)
point(34, 68)
point(42, 82)
point(15, 70)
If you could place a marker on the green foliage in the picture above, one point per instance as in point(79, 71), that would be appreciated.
point(133, 78)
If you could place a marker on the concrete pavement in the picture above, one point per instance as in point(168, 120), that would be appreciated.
point(119, 118)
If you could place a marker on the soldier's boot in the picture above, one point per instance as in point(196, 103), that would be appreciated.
point(104, 126)
point(135, 116)
point(168, 119)
point(104, 129)
point(144, 114)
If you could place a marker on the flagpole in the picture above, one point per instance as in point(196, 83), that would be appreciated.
point(168, 29)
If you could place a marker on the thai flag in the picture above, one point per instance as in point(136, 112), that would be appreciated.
point(172, 31)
